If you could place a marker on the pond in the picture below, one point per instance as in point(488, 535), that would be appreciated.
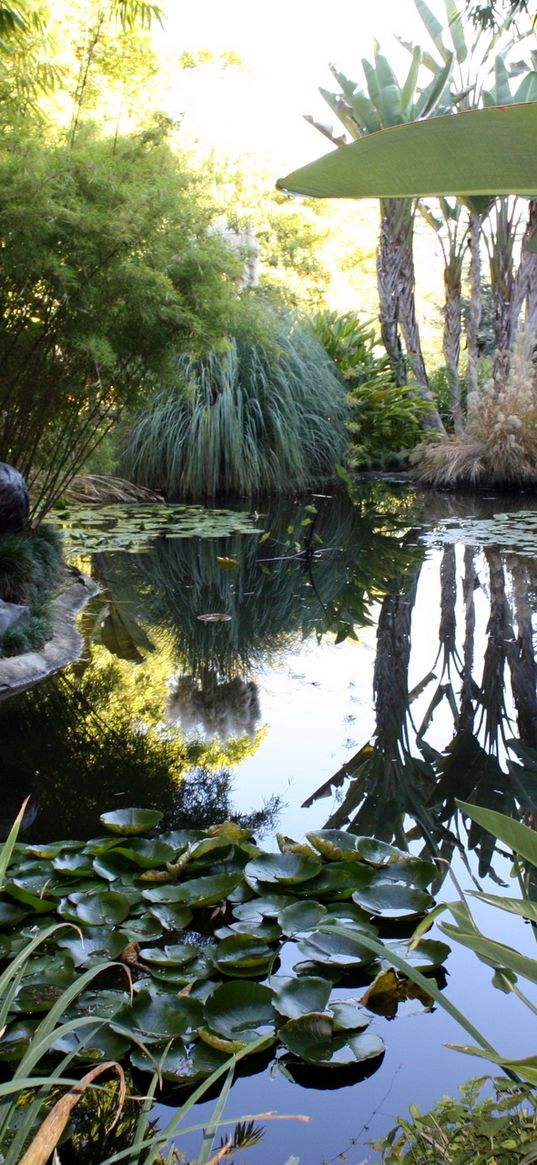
point(325, 663)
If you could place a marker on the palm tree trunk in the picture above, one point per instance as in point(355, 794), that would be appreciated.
point(397, 304)
point(474, 319)
point(452, 335)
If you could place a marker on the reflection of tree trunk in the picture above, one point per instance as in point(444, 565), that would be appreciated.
point(521, 656)
point(447, 631)
point(474, 318)
point(469, 583)
point(499, 642)
point(390, 676)
point(524, 282)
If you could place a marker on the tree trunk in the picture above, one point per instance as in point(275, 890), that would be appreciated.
point(525, 284)
point(474, 319)
point(452, 336)
point(396, 286)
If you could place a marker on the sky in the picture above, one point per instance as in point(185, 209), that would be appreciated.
point(286, 47)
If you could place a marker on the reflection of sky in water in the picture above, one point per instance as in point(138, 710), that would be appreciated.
point(317, 705)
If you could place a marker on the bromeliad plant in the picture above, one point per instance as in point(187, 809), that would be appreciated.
point(200, 920)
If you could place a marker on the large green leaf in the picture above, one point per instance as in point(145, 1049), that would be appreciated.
point(296, 997)
point(131, 821)
point(481, 152)
point(237, 1010)
point(392, 900)
point(287, 869)
point(518, 837)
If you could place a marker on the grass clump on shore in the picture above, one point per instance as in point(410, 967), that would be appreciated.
point(258, 418)
point(499, 442)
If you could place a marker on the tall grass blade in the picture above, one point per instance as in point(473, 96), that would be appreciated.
point(512, 833)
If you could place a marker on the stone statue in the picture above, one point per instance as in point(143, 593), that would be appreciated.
point(14, 503)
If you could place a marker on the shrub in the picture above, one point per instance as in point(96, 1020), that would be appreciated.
point(30, 567)
point(109, 267)
point(384, 417)
point(499, 445)
point(255, 419)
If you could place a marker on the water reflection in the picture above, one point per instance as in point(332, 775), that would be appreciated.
point(481, 687)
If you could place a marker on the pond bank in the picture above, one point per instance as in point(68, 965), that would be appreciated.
point(20, 672)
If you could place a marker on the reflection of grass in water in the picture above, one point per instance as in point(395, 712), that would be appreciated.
point(270, 603)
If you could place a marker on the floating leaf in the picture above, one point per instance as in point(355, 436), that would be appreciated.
point(296, 997)
point(392, 900)
point(197, 892)
point(243, 955)
point(131, 821)
point(238, 1010)
point(286, 869)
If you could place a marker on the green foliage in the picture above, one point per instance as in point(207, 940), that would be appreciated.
point(384, 417)
point(31, 565)
point(501, 1128)
point(203, 916)
point(251, 420)
point(109, 268)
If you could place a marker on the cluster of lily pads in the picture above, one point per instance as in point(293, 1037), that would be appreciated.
point(133, 528)
point(208, 944)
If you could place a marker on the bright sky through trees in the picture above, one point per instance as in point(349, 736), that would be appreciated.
point(286, 46)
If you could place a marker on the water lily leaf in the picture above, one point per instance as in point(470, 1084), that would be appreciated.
point(17, 1038)
point(286, 869)
point(146, 852)
point(425, 955)
point(10, 913)
point(296, 997)
point(131, 821)
point(197, 892)
point(309, 1036)
point(158, 1016)
point(347, 911)
point(172, 917)
point(267, 931)
point(103, 908)
point(36, 997)
point(267, 906)
point(348, 1016)
point(176, 955)
point(95, 942)
point(238, 1010)
point(242, 955)
point(378, 853)
point(144, 927)
point(185, 1067)
point(333, 843)
point(93, 1043)
point(337, 950)
point(392, 900)
point(300, 917)
point(339, 880)
point(73, 863)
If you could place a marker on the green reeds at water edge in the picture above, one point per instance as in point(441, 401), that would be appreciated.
point(248, 421)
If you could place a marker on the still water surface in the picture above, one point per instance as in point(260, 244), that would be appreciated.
point(363, 678)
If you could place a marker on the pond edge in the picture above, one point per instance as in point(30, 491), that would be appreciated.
point(19, 672)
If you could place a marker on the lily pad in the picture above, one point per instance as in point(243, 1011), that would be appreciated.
point(237, 1010)
point(243, 955)
point(300, 917)
point(286, 869)
point(391, 900)
point(131, 821)
point(296, 997)
point(197, 892)
point(324, 946)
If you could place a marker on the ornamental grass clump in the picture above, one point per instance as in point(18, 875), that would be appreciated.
point(499, 443)
point(256, 419)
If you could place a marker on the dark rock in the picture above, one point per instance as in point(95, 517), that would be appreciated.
point(14, 503)
point(10, 615)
